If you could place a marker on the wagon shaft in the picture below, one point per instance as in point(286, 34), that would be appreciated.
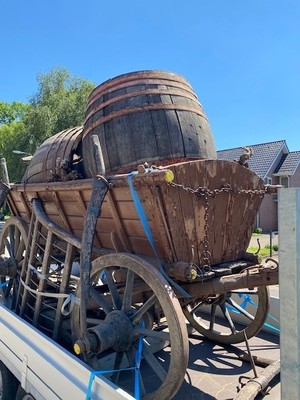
point(255, 276)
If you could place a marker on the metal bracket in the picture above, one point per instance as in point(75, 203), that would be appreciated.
point(24, 372)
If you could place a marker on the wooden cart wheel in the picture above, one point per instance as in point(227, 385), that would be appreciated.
point(225, 318)
point(133, 308)
point(13, 242)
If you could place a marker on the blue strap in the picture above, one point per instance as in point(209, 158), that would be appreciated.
point(248, 299)
point(138, 358)
point(95, 373)
point(2, 285)
point(270, 316)
point(136, 368)
point(144, 221)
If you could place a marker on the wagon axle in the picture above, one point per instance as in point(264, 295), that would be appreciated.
point(114, 332)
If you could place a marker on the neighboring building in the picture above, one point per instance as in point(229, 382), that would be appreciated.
point(276, 165)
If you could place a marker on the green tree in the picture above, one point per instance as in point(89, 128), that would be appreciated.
point(59, 103)
point(12, 137)
point(10, 112)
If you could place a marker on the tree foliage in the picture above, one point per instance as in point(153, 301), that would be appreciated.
point(12, 137)
point(58, 104)
point(10, 112)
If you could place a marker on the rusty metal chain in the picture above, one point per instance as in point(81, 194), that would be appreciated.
point(206, 253)
point(205, 192)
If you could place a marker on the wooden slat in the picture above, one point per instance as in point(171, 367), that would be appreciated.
point(25, 205)
point(175, 218)
point(61, 210)
point(118, 223)
point(186, 201)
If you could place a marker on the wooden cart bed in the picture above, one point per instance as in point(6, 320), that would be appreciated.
point(208, 210)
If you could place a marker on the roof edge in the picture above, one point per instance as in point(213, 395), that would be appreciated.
point(284, 145)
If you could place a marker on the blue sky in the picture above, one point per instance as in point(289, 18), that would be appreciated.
point(242, 57)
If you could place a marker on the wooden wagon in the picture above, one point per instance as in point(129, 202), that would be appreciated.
point(113, 268)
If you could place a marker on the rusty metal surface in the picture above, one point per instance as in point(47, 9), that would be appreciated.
point(257, 275)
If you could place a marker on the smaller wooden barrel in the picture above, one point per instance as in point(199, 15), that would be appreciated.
point(142, 117)
point(56, 158)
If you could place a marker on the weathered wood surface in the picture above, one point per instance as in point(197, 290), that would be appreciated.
point(145, 116)
point(231, 214)
point(62, 146)
point(176, 214)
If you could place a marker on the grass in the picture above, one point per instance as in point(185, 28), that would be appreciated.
point(264, 252)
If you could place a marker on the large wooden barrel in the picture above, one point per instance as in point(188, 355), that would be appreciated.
point(56, 158)
point(145, 116)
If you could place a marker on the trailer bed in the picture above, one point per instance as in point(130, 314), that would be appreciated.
point(45, 369)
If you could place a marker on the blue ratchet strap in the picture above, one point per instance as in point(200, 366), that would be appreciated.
point(138, 358)
point(144, 221)
point(2, 285)
point(248, 299)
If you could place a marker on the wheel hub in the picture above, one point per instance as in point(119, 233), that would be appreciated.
point(114, 332)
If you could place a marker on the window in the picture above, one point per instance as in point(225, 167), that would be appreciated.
point(268, 180)
point(284, 181)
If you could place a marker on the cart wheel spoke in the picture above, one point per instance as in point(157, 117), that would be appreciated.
point(9, 248)
point(135, 318)
point(20, 249)
point(196, 308)
point(142, 386)
point(154, 364)
point(117, 366)
point(230, 315)
point(16, 240)
point(126, 307)
point(116, 298)
point(161, 335)
point(100, 299)
point(240, 309)
point(228, 318)
point(11, 238)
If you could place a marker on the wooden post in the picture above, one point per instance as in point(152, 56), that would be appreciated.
point(100, 188)
point(4, 184)
point(98, 156)
point(289, 289)
point(5, 178)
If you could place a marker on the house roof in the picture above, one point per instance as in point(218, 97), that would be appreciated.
point(263, 158)
point(289, 164)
